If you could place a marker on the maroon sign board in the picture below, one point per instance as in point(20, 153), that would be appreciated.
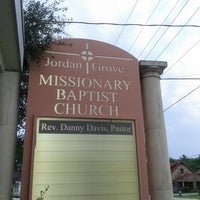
point(84, 79)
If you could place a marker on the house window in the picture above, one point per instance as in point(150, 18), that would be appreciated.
point(181, 171)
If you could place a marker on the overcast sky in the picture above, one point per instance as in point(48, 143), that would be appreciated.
point(179, 46)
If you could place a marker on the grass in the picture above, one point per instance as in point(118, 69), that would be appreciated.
point(191, 195)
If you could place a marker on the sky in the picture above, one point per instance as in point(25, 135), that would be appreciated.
point(179, 46)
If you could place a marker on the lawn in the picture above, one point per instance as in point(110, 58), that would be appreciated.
point(190, 195)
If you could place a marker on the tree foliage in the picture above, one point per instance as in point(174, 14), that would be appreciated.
point(192, 163)
point(44, 22)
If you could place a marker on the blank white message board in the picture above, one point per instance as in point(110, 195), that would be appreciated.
point(83, 159)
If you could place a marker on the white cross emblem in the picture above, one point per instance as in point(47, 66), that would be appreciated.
point(87, 55)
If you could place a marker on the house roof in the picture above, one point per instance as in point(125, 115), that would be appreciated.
point(189, 177)
point(11, 35)
point(184, 177)
point(175, 165)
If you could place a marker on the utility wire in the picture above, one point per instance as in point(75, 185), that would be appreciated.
point(197, 155)
point(126, 22)
point(186, 76)
point(143, 26)
point(167, 28)
point(177, 34)
point(179, 79)
point(131, 24)
point(155, 33)
point(181, 98)
point(182, 56)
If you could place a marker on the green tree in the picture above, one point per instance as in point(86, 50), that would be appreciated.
point(172, 160)
point(192, 163)
point(44, 22)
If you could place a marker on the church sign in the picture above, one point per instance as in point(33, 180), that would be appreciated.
point(84, 133)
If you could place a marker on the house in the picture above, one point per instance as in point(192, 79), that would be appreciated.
point(183, 178)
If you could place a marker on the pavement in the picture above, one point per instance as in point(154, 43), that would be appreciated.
point(183, 199)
